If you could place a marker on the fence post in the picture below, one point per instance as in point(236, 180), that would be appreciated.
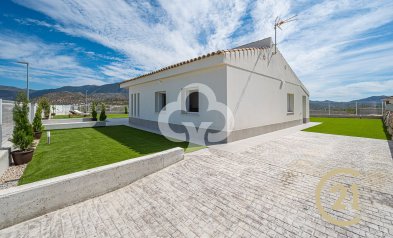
point(31, 112)
point(1, 123)
point(356, 111)
point(329, 108)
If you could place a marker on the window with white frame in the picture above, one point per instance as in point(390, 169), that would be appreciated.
point(290, 103)
point(160, 98)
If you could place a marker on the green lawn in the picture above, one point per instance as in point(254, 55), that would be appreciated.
point(80, 149)
point(369, 128)
point(117, 116)
point(108, 115)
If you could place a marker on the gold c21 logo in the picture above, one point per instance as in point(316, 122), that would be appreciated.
point(343, 190)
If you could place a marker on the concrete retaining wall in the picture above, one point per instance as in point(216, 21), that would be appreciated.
point(71, 125)
point(4, 161)
point(67, 120)
point(25, 202)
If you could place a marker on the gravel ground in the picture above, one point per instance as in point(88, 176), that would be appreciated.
point(11, 176)
point(9, 184)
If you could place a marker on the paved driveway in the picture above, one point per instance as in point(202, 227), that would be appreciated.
point(265, 191)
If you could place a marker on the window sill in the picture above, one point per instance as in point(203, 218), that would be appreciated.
point(290, 113)
point(191, 113)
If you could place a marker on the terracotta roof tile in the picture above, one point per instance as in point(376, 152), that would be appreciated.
point(219, 52)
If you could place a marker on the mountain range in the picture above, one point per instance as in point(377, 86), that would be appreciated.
point(112, 93)
point(108, 93)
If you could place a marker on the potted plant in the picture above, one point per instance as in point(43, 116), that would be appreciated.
point(37, 124)
point(93, 111)
point(44, 104)
point(102, 114)
point(22, 136)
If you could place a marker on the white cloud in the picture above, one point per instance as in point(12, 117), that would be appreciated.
point(319, 45)
point(171, 36)
point(47, 64)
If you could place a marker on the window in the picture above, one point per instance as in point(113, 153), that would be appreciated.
point(160, 101)
point(134, 104)
point(290, 103)
point(193, 101)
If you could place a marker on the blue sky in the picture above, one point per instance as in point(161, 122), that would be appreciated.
point(341, 50)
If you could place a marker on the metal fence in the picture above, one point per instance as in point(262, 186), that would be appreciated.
point(65, 109)
point(6, 120)
point(346, 109)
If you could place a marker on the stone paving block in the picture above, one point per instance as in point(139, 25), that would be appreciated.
point(267, 191)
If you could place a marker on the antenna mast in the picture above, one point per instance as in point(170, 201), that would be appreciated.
point(277, 24)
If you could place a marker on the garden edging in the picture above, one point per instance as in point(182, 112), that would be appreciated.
point(72, 125)
point(28, 201)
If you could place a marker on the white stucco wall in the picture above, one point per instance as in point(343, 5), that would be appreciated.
point(214, 77)
point(257, 90)
point(254, 88)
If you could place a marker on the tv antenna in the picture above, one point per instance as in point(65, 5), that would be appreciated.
point(277, 24)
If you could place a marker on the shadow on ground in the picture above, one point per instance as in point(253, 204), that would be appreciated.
point(139, 141)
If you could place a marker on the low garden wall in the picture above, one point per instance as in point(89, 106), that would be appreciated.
point(4, 160)
point(388, 121)
point(64, 124)
point(67, 120)
point(28, 201)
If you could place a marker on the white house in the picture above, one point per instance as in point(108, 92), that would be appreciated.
point(257, 85)
point(388, 103)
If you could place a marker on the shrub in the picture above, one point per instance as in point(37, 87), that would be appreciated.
point(102, 114)
point(125, 110)
point(44, 104)
point(22, 136)
point(37, 123)
point(93, 111)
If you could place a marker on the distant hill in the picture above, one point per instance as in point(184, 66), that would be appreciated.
point(66, 98)
point(9, 93)
point(108, 93)
point(372, 101)
point(91, 89)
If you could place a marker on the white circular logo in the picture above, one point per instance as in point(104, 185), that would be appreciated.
point(197, 134)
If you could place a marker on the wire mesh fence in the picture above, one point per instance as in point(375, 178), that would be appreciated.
point(346, 109)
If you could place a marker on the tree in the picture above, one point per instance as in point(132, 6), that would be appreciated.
point(53, 110)
point(93, 111)
point(125, 110)
point(22, 136)
point(37, 123)
point(102, 114)
point(44, 104)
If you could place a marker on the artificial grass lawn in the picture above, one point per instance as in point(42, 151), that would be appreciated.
point(109, 116)
point(369, 128)
point(75, 150)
